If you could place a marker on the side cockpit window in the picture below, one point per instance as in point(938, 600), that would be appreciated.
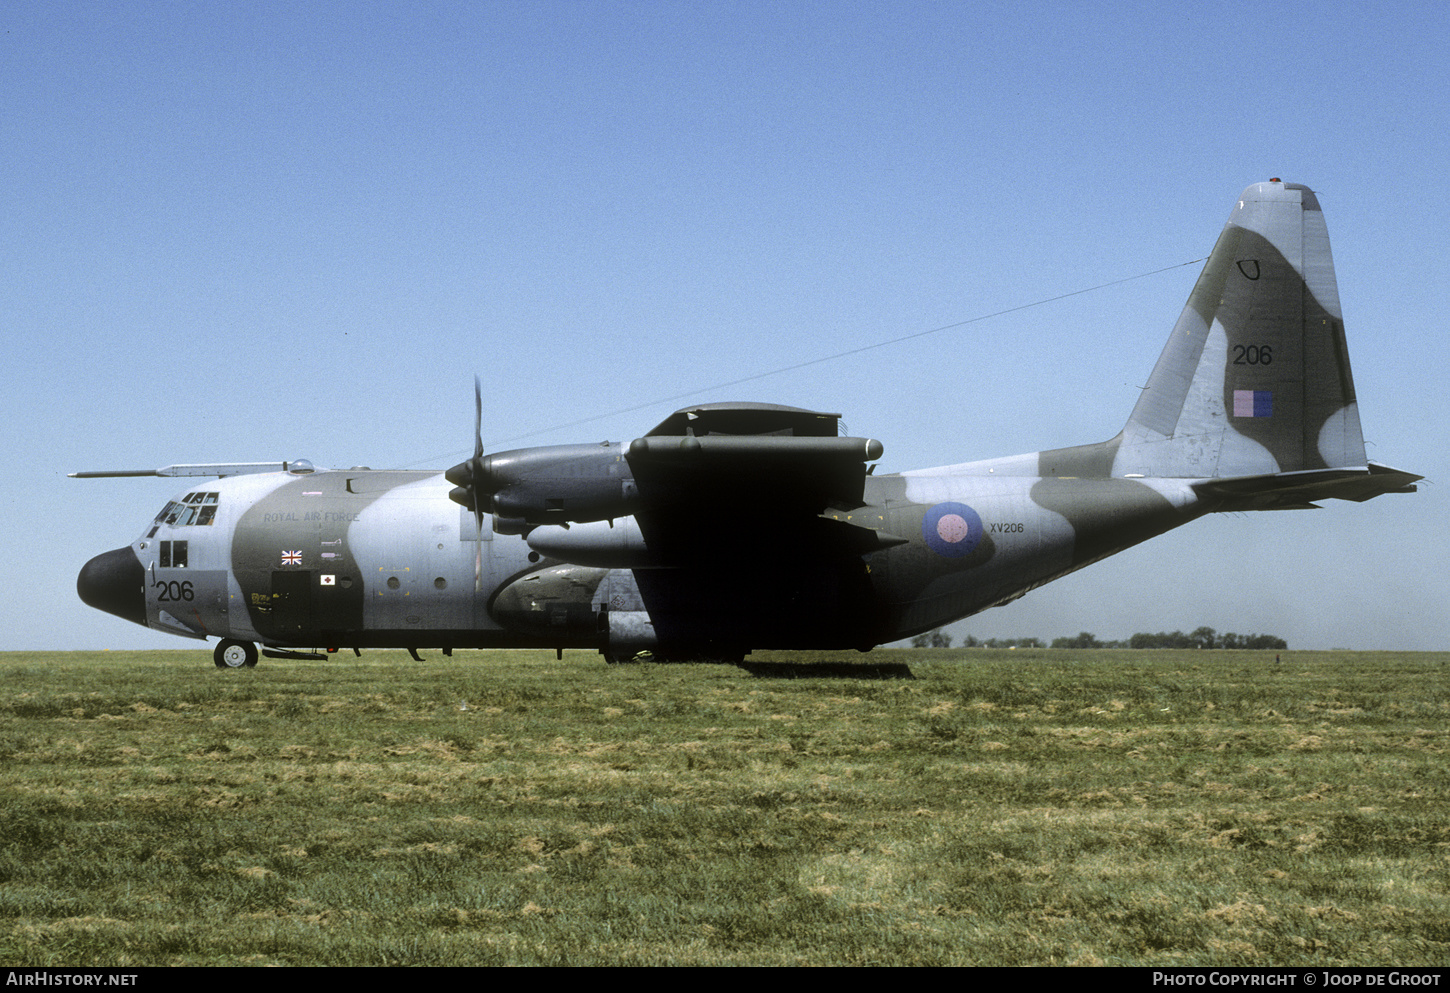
point(192, 509)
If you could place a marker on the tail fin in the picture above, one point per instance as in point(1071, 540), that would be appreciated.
point(1255, 379)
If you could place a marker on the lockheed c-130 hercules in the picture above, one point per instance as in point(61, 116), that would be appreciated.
point(732, 527)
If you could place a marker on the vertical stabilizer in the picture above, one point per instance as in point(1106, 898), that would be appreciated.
point(1255, 379)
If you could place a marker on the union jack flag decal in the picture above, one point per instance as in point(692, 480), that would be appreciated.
point(292, 558)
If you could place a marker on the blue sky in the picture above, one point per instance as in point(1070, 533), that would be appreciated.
point(239, 232)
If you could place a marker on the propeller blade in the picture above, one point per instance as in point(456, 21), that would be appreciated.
point(477, 418)
point(476, 472)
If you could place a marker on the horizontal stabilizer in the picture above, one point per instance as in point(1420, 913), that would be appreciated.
point(1298, 490)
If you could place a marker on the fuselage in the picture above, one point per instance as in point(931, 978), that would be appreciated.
point(363, 558)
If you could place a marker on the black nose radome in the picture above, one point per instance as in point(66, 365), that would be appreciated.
point(115, 582)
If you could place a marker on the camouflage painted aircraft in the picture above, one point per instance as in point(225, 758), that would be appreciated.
point(737, 526)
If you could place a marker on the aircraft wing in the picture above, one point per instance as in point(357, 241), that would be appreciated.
point(728, 480)
point(785, 473)
point(724, 483)
point(765, 453)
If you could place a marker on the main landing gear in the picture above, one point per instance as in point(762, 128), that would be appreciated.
point(231, 654)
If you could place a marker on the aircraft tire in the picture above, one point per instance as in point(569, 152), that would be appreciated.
point(230, 654)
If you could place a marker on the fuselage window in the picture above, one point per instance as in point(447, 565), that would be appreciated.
point(173, 555)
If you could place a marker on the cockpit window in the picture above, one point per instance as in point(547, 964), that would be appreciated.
point(192, 509)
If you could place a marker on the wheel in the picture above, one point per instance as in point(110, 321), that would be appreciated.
point(235, 654)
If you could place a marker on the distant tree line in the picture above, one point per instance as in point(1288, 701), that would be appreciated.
point(940, 639)
point(1204, 637)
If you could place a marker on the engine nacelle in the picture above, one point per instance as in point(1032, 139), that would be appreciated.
point(616, 544)
point(558, 484)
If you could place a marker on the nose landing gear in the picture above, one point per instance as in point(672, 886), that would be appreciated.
point(231, 654)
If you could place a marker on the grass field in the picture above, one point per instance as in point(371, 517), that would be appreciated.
point(1002, 808)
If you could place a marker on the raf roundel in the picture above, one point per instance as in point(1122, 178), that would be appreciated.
point(952, 530)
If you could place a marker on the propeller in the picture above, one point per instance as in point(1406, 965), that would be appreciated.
point(476, 471)
point(466, 476)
